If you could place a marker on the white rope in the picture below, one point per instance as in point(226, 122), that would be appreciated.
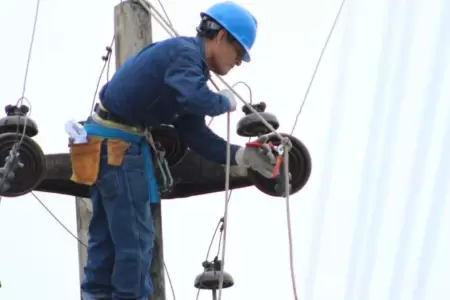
point(172, 32)
point(288, 219)
point(225, 214)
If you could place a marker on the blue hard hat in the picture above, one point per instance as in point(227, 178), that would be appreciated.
point(238, 21)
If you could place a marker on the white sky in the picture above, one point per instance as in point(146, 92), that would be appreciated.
point(370, 224)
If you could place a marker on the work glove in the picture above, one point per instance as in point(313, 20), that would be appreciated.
point(260, 159)
point(231, 99)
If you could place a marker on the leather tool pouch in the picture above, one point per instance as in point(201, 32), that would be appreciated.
point(116, 151)
point(85, 159)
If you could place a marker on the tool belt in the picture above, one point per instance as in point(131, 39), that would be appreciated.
point(109, 119)
point(85, 157)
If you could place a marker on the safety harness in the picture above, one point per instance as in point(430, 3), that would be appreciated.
point(140, 136)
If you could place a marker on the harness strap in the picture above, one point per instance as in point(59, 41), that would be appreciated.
point(113, 133)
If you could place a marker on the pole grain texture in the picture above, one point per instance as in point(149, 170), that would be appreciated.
point(133, 31)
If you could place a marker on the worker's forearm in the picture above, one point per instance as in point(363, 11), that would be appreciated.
point(195, 134)
point(214, 149)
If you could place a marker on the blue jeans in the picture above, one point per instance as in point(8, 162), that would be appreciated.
point(121, 232)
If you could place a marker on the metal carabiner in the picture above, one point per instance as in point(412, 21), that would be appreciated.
point(167, 180)
point(165, 171)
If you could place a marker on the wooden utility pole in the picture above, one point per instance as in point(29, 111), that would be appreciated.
point(84, 214)
point(133, 31)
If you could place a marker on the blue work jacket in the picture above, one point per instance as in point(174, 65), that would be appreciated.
point(166, 83)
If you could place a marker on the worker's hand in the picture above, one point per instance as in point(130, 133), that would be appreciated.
point(260, 159)
point(231, 98)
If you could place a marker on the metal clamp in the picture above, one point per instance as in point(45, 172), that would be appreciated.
point(165, 170)
point(283, 151)
point(167, 180)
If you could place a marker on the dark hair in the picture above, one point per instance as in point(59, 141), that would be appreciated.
point(209, 28)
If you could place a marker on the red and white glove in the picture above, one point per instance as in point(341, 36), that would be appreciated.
point(258, 155)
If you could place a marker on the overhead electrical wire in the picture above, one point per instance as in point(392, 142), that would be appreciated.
point(313, 76)
point(84, 245)
point(165, 12)
point(106, 65)
point(219, 226)
point(57, 219)
point(30, 51)
point(322, 52)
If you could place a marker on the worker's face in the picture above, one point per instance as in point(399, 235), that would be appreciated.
point(226, 54)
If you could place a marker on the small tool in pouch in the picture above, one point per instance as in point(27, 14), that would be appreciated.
point(77, 133)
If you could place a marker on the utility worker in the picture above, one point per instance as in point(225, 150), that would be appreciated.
point(165, 83)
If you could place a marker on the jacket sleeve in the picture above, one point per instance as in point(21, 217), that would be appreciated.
point(185, 75)
point(194, 132)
